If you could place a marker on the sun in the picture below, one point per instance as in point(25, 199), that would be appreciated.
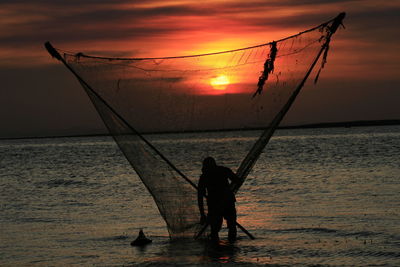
point(219, 82)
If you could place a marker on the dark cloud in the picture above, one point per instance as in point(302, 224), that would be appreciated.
point(70, 21)
point(92, 24)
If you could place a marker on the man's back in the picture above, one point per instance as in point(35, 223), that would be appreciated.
point(215, 181)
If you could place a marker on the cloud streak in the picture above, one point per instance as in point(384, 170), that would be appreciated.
point(151, 28)
point(84, 21)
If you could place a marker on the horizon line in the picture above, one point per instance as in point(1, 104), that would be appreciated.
point(346, 124)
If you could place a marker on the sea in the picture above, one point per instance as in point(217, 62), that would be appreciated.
point(316, 197)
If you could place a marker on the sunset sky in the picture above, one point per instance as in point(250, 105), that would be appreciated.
point(39, 97)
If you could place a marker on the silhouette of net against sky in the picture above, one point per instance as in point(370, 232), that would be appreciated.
point(250, 88)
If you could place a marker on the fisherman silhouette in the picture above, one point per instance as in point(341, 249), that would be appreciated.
point(214, 182)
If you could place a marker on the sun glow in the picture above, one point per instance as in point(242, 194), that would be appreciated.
point(219, 82)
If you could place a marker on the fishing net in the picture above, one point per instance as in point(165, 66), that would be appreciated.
point(248, 88)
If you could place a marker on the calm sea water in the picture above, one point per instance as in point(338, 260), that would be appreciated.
point(315, 197)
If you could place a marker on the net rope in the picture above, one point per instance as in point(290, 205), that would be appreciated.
point(147, 104)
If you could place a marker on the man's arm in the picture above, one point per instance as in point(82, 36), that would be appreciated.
point(234, 179)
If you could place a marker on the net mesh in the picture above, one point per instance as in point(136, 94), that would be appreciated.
point(250, 88)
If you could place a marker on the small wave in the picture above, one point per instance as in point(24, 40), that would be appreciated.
point(63, 183)
point(110, 238)
point(367, 253)
point(306, 230)
point(359, 234)
point(77, 204)
point(336, 232)
point(394, 237)
point(37, 220)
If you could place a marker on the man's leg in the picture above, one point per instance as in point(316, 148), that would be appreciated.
point(215, 219)
point(230, 216)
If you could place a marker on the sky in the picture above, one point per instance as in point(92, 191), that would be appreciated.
point(39, 97)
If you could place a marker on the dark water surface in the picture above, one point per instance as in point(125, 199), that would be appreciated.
point(315, 197)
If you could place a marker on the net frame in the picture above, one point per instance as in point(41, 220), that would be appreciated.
point(115, 120)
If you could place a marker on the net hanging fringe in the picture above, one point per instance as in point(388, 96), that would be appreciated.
point(268, 68)
point(247, 88)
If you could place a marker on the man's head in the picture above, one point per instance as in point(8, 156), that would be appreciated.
point(208, 164)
